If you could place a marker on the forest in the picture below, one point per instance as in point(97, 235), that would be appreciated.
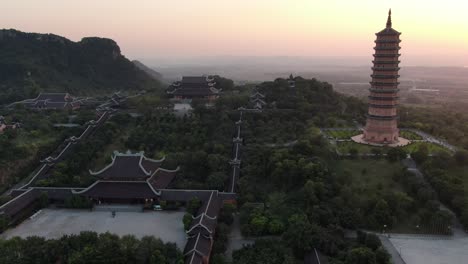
point(89, 247)
point(296, 193)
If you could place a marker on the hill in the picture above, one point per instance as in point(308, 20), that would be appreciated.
point(31, 62)
point(156, 75)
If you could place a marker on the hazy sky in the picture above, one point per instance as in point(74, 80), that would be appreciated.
point(182, 28)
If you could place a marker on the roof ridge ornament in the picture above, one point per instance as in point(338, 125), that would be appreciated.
point(389, 19)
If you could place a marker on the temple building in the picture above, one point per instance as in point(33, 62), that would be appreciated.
point(56, 101)
point(382, 118)
point(129, 178)
point(194, 87)
point(257, 100)
point(201, 232)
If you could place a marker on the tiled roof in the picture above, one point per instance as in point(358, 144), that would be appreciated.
point(129, 166)
point(162, 178)
point(193, 258)
point(53, 97)
point(193, 86)
point(14, 206)
point(51, 101)
point(198, 244)
point(194, 79)
point(119, 190)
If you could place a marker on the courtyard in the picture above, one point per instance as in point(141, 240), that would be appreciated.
point(54, 223)
point(432, 250)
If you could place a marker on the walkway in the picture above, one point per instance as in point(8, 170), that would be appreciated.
point(396, 258)
point(235, 239)
point(429, 138)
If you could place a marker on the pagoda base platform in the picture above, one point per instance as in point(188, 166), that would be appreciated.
point(401, 142)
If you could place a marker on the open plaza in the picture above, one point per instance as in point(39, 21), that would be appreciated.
point(432, 250)
point(54, 223)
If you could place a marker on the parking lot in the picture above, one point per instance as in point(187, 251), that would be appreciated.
point(54, 223)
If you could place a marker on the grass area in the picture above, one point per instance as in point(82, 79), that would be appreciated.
point(410, 135)
point(345, 147)
point(369, 175)
point(342, 134)
point(433, 148)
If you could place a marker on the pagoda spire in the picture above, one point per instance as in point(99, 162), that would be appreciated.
point(389, 20)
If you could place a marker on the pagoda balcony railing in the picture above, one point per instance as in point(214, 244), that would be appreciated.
point(385, 76)
point(383, 98)
point(387, 41)
point(383, 106)
point(395, 48)
point(385, 83)
point(385, 68)
point(385, 62)
point(381, 129)
point(382, 117)
point(376, 90)
point(386, 55)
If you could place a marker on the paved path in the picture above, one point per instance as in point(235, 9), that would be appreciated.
point(236, 240)
point(396, 258)
point(432, 139)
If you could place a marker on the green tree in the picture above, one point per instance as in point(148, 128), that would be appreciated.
point(258, 225)
point(193, 205)
point(353, 153)
point(372, 241)
point(382, 214)
point(421, 154)
point(382, 256)
point(4, 221)
point(361, 255)
point(216, 180)
point(187, 220)
point(301, 234)
point(264, 252)
point(396, 154)
point(275, 227)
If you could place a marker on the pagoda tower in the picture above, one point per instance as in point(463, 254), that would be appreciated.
point(381, 126)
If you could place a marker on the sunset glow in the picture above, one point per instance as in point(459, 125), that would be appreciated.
point(154, 28)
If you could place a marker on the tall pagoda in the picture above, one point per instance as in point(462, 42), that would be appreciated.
point(381, 126)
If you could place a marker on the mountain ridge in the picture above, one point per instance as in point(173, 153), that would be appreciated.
point(32, 62)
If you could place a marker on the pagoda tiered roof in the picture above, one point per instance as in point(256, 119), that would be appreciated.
point(382, 116)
